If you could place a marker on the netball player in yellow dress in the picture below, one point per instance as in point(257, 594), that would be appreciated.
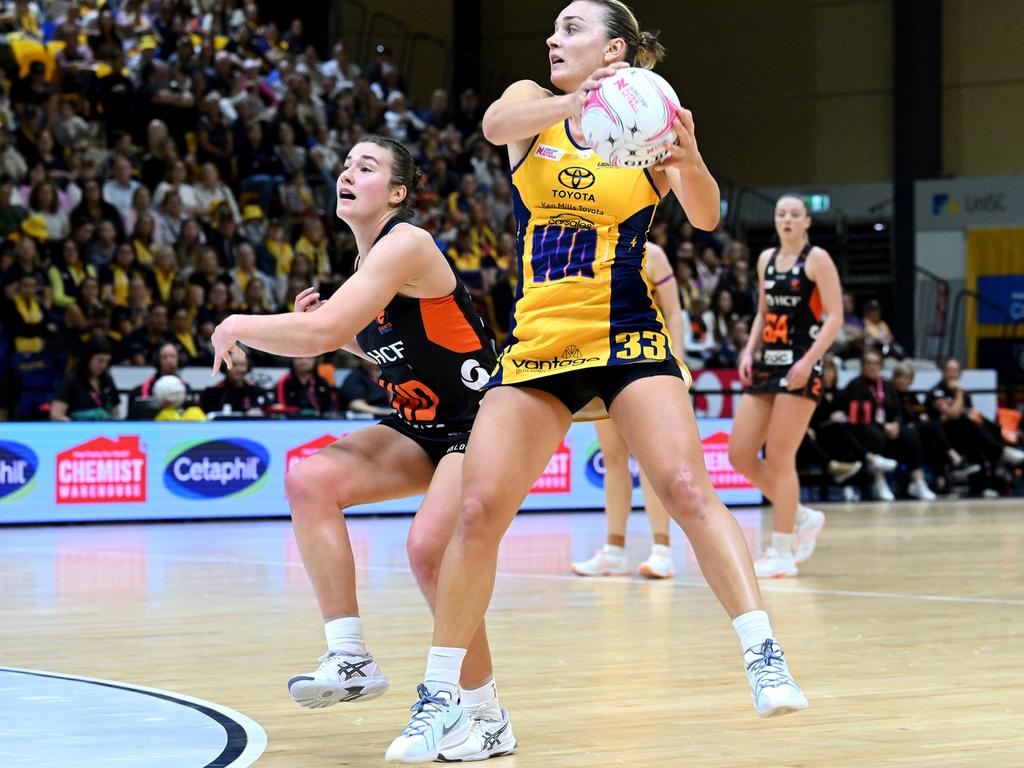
point(585, 326)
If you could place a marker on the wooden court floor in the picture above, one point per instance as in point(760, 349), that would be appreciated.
point(905, 631)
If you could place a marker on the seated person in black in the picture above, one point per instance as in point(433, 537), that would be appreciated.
point(977, 438)
point(940, 455)
point(829, 442)
point(876, 417)
point(88, 392)
point(361, 392)
point(303, 391)
point(234, 394)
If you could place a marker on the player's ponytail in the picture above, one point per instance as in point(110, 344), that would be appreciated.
point(642, 47)
point(648, 50)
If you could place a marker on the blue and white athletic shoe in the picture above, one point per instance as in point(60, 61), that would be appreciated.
point(774, 690)
point(438, 723)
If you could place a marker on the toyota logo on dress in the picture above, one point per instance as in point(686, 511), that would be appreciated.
point(576, 178)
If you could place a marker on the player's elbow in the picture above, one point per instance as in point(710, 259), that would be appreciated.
point(491, 127)
point(706, 221)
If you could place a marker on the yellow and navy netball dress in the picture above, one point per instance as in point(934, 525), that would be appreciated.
point(583, 299)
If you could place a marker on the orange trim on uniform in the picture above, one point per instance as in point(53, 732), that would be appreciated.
point(446, 326)
point(815, 303)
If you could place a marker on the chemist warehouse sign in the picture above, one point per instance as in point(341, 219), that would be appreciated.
point(222, 469)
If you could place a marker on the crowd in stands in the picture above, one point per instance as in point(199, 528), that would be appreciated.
point(165, 163)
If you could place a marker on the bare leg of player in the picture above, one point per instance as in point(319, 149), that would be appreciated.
point(491, 732)
point(675, 463)
point(749, 434)
point(610, 560)
point(372, 464)
point(658, 564)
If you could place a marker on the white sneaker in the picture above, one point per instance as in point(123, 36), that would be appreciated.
point(339, 677)
point(438, 723)
point(850, 493)
point(774, 690)
point(1012, 456)
point(775, 565)
point(919, 490)
point(807, 532)
point(881, 463)
point(658, 565)
point(881, 490)
point(490, 735)
point(607, 561)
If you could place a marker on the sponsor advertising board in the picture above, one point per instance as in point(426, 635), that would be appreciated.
point(104, 471)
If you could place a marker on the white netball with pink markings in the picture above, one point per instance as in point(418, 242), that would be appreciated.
point(628, 120)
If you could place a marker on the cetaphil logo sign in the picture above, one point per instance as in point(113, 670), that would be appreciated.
point(595, 468)
point(18, 467)
point(216, 469)
point(102, 471)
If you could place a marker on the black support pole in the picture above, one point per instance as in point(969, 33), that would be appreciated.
point(917, 138)
point(466, 32)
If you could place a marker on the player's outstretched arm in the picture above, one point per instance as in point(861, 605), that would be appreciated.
point(396, 261)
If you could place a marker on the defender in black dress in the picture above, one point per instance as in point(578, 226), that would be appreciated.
point(406, 309)
point(799, 314)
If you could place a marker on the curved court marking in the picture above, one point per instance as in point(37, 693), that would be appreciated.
point(244, 739)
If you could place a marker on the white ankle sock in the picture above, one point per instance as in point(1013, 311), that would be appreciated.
point(345, 636)
point(753, 629)
point(661, 549)
point(482, 697)
point(782, 543)
point(444, 665)
point(614, 549)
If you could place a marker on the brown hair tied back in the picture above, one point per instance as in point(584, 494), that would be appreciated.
point(642, 47)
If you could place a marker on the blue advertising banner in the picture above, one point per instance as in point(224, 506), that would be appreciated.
point(107, 471)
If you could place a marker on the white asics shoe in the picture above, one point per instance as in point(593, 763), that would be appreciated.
point(881, 463)
point(919, 490)
point(881, 490)
point(438, 723)
point(775, 565)
point(607, 561)
point(658, 565)
point(490, 735)
point(773, 688)
point(339, 677)
point(807, 532)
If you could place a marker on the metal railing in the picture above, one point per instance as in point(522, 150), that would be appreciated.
point(932, 320)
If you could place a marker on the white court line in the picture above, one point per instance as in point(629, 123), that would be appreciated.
point(565, 577)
